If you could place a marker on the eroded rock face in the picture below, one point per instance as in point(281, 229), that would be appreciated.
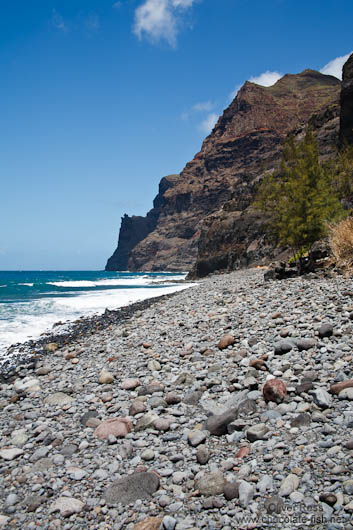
point(346, 130)
point(205, 216)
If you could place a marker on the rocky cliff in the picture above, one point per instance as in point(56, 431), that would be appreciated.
point(346, 132)
point(205, 219)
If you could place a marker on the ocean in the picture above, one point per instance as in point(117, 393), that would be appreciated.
point(31, 302)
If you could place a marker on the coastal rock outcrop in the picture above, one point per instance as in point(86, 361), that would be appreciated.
point(204, 220)
point(346, 131)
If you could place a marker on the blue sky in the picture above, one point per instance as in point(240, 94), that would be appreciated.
point(100, 99)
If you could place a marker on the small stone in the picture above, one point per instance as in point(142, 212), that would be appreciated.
point(154, 365)
point(257, 432)
point(226, 340)
point(130, 383)
point(302, 420)
point(217, 424)
point(146, 422)
point(51, 347)
point(28, 384)
point(172, 398)
point(211, 484)
point(66, 506)
point(148, 455)
point(282, 347)
point(118, 427)
point(130, 488)
point(3, 520)
point(33, 502)
point(305, 344)
point(349, 444)
point(10, 454)
point(328, 498)
point(246, 493)
point(202, 455)
point(274, 390)
point(137, 407)
point(348, 487)
point(231, 490)
point(346, 393)
point(150, 523)
point(325, 330)
point(342, 385)
point(58, 399)
point(161, 424)
point(44, 370)
point(87, 416)
point(169, 523)
point(196, 437)
point(321, 398)
point(105, 377)
point(288, 485)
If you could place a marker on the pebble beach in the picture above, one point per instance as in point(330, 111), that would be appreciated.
point(228, 405)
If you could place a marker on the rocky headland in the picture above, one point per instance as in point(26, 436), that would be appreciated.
point(225, 406)
point(203, 219)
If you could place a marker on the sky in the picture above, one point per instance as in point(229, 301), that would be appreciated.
point(102, 98)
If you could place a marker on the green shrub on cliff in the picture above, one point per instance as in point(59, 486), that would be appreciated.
point(300, 197)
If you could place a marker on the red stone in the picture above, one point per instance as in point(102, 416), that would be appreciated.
point(118, 427)
point(274, 390)
point(226, 340)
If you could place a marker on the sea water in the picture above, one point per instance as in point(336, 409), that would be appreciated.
point(31, 302)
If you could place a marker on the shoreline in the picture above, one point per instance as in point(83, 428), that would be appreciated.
point(168, 416)
point(29, 351)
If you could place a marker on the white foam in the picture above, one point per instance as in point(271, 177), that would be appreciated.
point(29, 284)
point(142, 280)
point(31, 319)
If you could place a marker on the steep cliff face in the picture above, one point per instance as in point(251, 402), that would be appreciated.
point(136, 228)
point(245, 142)
point(346, 133)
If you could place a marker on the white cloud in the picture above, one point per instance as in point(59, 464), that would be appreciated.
point(58, 21)
point(266, 78)
point(203, 106)
point(334, 67)
point(207, 124)
point(160, 19)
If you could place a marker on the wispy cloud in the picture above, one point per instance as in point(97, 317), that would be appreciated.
point(203, 106)
point(58, 21)
point(160, 19)
point(208, 123)
point(267, 78)
point(334, 67)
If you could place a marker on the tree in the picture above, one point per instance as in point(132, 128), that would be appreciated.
point(300, 197)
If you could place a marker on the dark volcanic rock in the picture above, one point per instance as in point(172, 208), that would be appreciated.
point(346, 127)
point(131, 488)
point(206, 213)
point(136, 228)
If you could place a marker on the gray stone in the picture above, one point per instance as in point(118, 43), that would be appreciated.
point(28, 384)
point(321, 398)
point(347, 393)
point(202, 455)
point(58, 399)
point(211, 484)
point(87, 416)
point(231, 490)
point(246, 493)
point(288, 485)
point(130, 488)
point(325, 330)
point(305, 344)
point(283, 346)
point(257, 432)
point(169, 523)
point(196, 437)
point(10, 454)
point(217, 424)
point(146, 422)
point(66, 506)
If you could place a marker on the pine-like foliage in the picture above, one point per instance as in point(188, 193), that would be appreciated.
point(300, 197)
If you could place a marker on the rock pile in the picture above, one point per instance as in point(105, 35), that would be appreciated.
point(225, 406)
